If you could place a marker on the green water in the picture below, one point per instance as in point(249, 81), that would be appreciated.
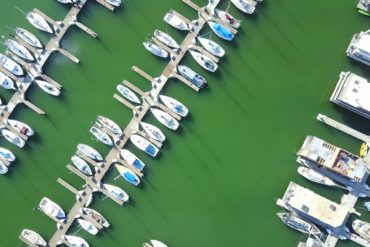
point(217, 178)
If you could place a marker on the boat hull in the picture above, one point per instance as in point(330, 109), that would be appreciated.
point(205, 62)
point(165, 119)
point(144, 145)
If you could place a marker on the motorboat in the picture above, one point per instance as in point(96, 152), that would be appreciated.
point(221, 31)
point(128, 175)
point(227, 18)
point(365, 10)
point(154, 243)
point(101, 136)
point(21, 127)
point(76, 241)
point(115, 3)
point(7, 154)
point(13, 138)
point(33, 237)
point(166, 39)
point(132, 160)
point(88, 226)
point(89, 152)
point(153, 131)
point(52, 209)
point(128, 94)
point(165, 118)
point(245, 6)
point(19, 50)
point(299, 224)
point(176, 22)
point(48, 87)
point(192, 76)
point(11, 65)
point(110, 124)
point(144, 145)
point(204, 61)
point(6, 82)
point(212, 47)
point(316, 177)
point(155, 49)
point(3, 168)
point(117, 192)
point(362, 228)
point(28, 37)
point(67, 1)
point(96, 216)
point(174, 105)
point(39, 22)
point(89, 199)
point(81, 165)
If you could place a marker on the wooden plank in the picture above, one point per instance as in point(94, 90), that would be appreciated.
point(142, 73)
point(91, 220)
point(133, 87)
point(123, 101)
point(185, 81)
point(78, 173)
point(33, 107)
point(105, 4)
point(205, 52)
point(188, 22)
point(192, 5)
point(164, 47)
point(146, 136)
point(130, 167)
point(89, 160)
point(67, 186)
point(47, 18)
point(51, 81)
point(15, 131)
point(69, 55)
point(86, 29)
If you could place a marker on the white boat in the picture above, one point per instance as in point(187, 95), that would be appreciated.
point(175, 21)
point(81, 165)
point(87, 226)
point(28, 37)
point(101, 136)
point(166, 39)
point(153, 131)
point(157, 243)
point(6, 82)
point(246, 6)
point(165, 118)
point(132, 160)
point(96, 216)
point(52, 209)
point(76, 241)
point(66, 1)
point(88, 201)
point(21, 127)
point(155, 49)
point(316, 177)
point(227, 18)
point(13, 138)
point(117, 192)
point(192, 76)
point(144, 144)
point(299, 224)
point(47, 87)
point(19, 50)
point(128, 175)
point(174, 105)
point(7, 154)
point(33, 237)
point(362, 228)
point(115, 3)
point(109, 124)
point(204, 61)
point(11, 65)
point(127, 93)
point(39, 22)
point(212, 47)
point(90, 152)
point(3, 168)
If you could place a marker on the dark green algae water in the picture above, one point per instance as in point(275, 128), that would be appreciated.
point(217, 178)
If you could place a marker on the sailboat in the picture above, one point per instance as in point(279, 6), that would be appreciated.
point(155, 49)
point(204, 61)
point(101, 136)
point(19, 50)
point(227, 18)
point(246, 6)
point(48, 87)
point(153, 131)
point(165, 119)
point(192, 76)
point(174, 105)
point(316, 177)
point(128, 175)
point(28, 37)
point(110, 124)
point(7, 154)
point(81, 165)
point(175, 21)
point(166, 39)
point(39, 22)
point(132, 160)
point(143, 144)
point(13, 138)
point(90, 152)
point(6, 82)
point(88, 226)
point(128, 94)
point(11, 65)
point(212, 47)
point(76, 241)
point(117, 192)
point(33, 237)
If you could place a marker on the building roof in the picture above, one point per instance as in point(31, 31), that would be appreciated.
point(314, 205)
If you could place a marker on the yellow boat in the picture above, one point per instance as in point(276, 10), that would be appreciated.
point(364, 150)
